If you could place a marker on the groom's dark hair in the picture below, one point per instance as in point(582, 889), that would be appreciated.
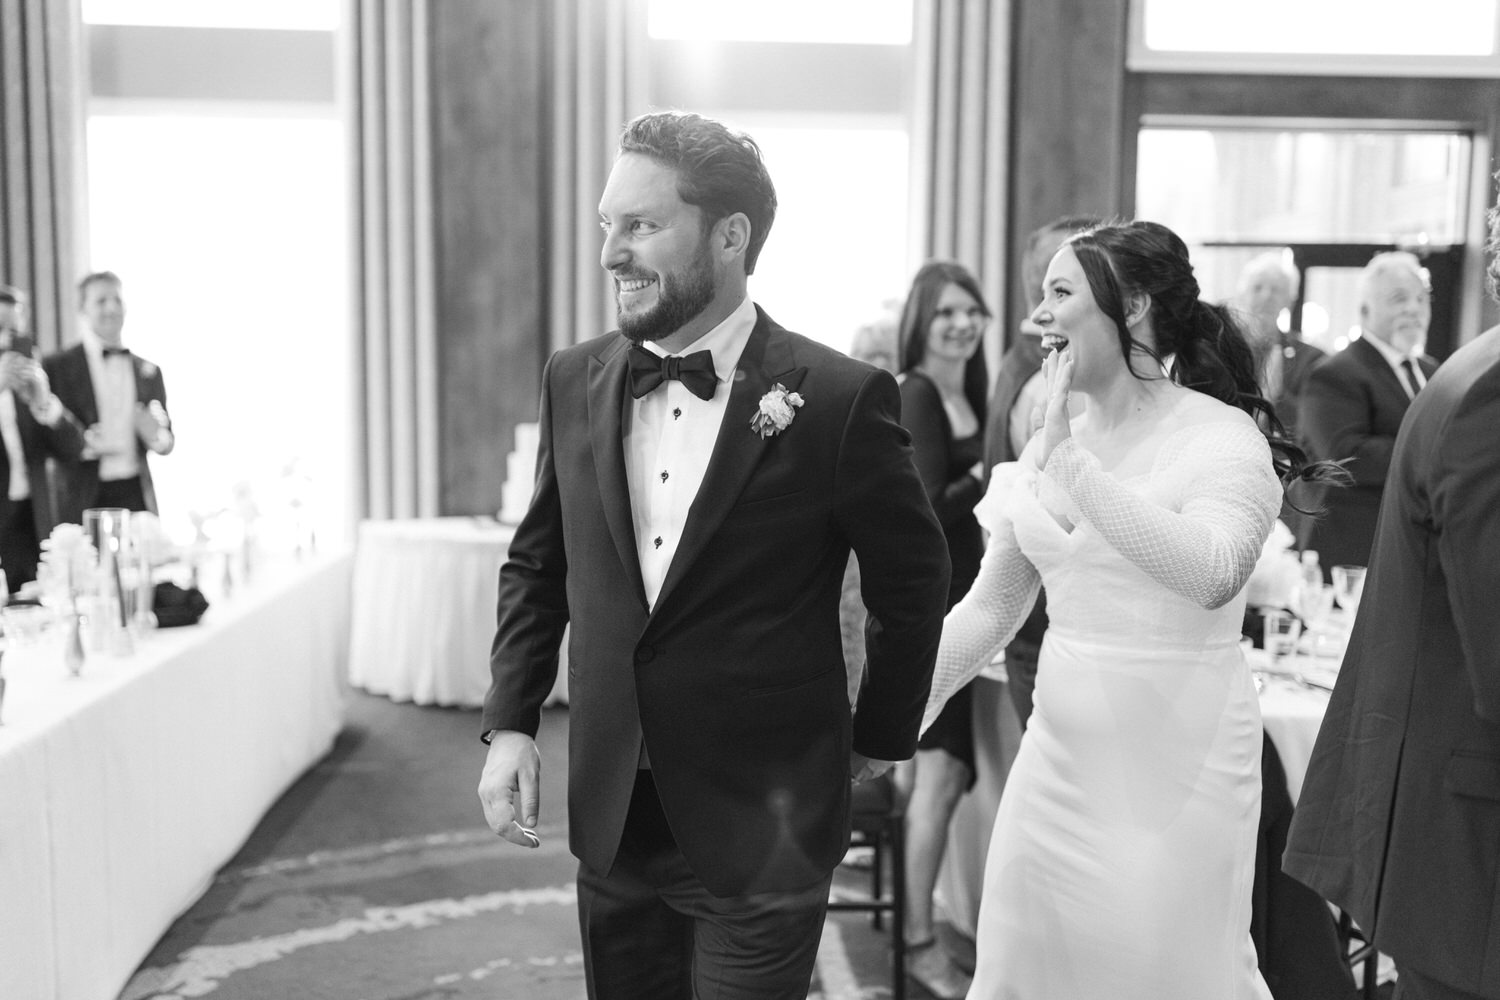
point(718, 170)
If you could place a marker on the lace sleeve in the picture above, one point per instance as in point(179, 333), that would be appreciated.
point(987, 618)
point(1219, 477)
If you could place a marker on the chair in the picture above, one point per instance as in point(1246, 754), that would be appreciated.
point(878, 821)
point(1361, 954)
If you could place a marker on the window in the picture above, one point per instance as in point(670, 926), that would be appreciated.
point(877, 22)
point(1329, 37)
point(233, 253)
point(307, 15)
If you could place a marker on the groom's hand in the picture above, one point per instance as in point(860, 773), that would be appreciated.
point(862, 768)
point(510, 787)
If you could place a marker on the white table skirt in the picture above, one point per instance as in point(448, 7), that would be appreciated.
point(423, 614)
point(124, 790)
point(1291, 715)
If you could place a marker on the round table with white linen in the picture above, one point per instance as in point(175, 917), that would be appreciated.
point(423, 614)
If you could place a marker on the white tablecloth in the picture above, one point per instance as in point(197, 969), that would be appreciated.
point(123, 790)
point(1291, 714)
point(423, 614)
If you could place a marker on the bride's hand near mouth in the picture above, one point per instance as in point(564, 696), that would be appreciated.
point(1058, 369)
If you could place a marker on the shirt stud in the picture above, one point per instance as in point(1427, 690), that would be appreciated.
point(676, 412)
point(657, 542)
point(663, 475)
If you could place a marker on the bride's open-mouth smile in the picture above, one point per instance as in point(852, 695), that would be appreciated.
point(1053, 342)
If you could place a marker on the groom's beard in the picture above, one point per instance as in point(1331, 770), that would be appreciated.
point(681, 295)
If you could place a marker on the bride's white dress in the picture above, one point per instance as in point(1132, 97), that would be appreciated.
point(1123, 852)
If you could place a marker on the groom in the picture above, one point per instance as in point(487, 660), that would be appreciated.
point(702, 477)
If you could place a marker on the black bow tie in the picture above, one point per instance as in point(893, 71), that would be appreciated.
point(110, 352)
point(695, 371)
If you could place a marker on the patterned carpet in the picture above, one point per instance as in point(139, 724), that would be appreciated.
point(374, 878)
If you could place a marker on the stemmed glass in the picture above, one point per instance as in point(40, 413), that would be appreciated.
point(1348, 586)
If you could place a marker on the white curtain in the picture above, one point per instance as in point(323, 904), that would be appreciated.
point(961, 140)
point(599, 83)
point(41, 160)
point(387, 75)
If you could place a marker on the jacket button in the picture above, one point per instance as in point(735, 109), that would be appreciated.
point(645, 654)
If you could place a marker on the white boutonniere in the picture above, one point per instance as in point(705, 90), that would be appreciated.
point(777, 408)
point(148, 370)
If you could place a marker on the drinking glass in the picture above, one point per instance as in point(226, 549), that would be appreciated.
point(1282, 631)
point(1314, 603)
point(1348, 587)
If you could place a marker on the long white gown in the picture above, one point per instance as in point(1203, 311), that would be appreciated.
point(1123, 852)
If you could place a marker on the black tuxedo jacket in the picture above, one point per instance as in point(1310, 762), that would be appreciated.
point(76, 483)
point(62, 441)
point(735, 679)
point(1399, 818)
point(1351, 407)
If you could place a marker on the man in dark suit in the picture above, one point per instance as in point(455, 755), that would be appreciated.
point(120, 398)
point(1019, 389)
point(1354, 400)
point(1399, 818)
point(692, 519)
point(33, 426)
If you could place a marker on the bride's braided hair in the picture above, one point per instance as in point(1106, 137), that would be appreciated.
point(1207, 348)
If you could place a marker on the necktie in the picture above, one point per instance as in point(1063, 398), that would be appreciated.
point(1409, 376)
point(110, 352)
point(695, 371)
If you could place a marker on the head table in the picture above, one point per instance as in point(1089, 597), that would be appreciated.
point(124, 789)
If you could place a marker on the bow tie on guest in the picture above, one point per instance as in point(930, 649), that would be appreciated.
point(110, 352)
point(695, 371)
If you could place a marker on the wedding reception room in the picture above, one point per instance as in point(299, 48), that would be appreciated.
point(1082, 588)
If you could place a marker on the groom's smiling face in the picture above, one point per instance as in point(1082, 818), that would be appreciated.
point(657, 250)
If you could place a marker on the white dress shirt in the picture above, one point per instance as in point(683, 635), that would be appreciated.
point(669, 436)
point(114, 395)
point(1396, 361)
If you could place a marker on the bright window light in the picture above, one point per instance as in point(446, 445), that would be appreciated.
point(230, 235)
point(837, 250)
point(868, 22)
point(303, 15)
point(1334, 27)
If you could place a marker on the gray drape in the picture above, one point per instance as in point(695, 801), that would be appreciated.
point(387, 76)
point(960, 140)
point(41, 139)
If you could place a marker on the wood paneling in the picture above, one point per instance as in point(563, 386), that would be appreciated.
point(488, 109)
point(1069, 115)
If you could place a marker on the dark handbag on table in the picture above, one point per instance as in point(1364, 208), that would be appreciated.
point(175, 606)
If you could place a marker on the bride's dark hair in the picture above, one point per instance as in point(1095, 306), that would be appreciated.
point(1208, 349)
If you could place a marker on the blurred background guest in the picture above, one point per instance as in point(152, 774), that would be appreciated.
point(34, 425)
point(943, 387)
point(1353, 402)
point(1399, 819)
point(1267, 288)
point(120, 398)
point(874, 341)
point(1019, 390)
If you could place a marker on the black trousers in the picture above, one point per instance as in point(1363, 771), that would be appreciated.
point(19, 547)
point(126, 493)
point(651, 931)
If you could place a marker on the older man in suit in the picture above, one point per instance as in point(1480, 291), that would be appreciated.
point(1354, 400)
point(121, 399)
point(692, 519)
point(33, 425)
point(1399, 818)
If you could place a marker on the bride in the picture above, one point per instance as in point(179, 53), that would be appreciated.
point(1123, 853)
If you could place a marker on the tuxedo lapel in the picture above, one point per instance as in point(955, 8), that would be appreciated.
point(766, 361)
point(606, 403)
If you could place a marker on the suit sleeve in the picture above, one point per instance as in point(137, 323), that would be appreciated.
point(533, 601)
point(1466, 496)
point(883, 510)
point(1334, 420)
point(923, 416)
